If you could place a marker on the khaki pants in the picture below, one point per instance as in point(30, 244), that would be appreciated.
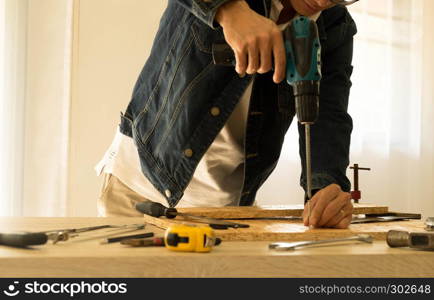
point(117, 200)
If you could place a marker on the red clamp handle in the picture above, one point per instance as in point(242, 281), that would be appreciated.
point(356, 195)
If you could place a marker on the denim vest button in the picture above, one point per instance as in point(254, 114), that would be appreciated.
point(188, 152)
point(168, 193)
point(215, 111)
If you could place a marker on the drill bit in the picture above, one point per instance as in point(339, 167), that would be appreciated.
point(308, 168)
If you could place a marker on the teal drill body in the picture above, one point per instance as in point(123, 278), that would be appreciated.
point(303, 67)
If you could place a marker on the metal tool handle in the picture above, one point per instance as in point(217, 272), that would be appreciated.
point(398, 238)
point(77, 230)
point(429, 223)
point(23, 239)
point(156, 210)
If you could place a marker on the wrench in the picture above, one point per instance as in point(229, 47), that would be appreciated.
point(284, 246)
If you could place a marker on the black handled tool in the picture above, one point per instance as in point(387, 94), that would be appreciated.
point(157, 210)
point(23, 239)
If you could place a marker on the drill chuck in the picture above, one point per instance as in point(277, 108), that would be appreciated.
point(306, 95)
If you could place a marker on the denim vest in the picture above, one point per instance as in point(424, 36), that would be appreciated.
point(172, 114)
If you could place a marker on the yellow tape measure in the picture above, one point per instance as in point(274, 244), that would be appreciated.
point(190, 238)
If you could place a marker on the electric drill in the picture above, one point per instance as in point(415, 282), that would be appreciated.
point(303, 73)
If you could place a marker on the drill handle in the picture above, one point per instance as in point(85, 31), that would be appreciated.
point(303, 52)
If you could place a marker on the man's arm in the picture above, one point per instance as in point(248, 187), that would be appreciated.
point(331, 205)
point(256, 41)
point(205, 10)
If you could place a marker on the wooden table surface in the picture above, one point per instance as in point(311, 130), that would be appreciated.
point(85, 257)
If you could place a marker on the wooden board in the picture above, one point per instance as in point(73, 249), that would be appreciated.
point(234, 212)
point(277, 230)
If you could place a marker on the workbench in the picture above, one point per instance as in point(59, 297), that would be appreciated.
point(85, 257)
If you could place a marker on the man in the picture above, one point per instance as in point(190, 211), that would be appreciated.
point(197, 134)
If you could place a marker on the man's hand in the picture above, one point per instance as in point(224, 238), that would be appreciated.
point(330, 207)
point(256, 41)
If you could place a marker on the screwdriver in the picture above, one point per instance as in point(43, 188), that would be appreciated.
point(157, 210)
point(303, 73)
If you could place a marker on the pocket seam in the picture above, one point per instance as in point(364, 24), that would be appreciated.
point(108, 184)
point(197, 40)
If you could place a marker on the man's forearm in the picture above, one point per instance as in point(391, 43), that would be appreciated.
point(331, 134)
point(204, 10)
point(229, 11)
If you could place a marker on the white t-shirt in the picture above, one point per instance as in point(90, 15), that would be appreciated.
point(218, 178)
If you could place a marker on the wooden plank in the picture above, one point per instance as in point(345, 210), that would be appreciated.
point(270, 211)
point(277, 230)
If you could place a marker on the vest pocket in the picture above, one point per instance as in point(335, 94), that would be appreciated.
point(204, 36)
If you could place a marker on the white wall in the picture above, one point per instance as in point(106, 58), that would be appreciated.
point(46, 107)
point(13, 22)
point(426, 201)
point(112, 40)
point(111, 43)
